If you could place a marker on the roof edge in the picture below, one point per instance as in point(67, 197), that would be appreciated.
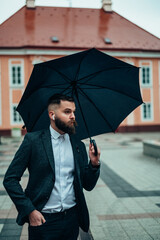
point(12, 15)
point(26, 47)
point(137, 25)
point(65, 51)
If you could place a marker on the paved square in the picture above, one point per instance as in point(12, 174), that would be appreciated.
point(125, 204)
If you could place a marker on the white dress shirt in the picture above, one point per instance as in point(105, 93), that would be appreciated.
point(62, 196)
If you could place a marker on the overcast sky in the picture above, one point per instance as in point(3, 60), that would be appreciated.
point(145, 13)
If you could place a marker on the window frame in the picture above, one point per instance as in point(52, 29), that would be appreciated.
point(0, 96)
point(159, 85)
point(11, 65)
point(15, 123)
point(149, 66)
point(151, 112)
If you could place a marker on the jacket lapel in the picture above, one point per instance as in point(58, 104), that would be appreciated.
point(46, 139)
point(76, 156)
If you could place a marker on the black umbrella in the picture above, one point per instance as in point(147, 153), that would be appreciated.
point(104, 88)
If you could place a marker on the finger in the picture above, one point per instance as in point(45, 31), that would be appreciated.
point(43, 220)
point(36, 223)
point(92, 149)
point(90, 145)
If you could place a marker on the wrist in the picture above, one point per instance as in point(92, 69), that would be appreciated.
point(96, 164)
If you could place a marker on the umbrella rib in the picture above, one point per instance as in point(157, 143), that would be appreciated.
point(96, 108)
point(80, 63)
point(53, 86)
point(65, 89)
point(76, 94)
point(92, 74)
point(56, 85)
point(67, 79)
point(102, 87)
point(45, 87)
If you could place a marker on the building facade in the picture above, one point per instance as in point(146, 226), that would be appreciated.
point(37, 34)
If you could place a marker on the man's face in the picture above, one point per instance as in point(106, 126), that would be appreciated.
point(65, 117)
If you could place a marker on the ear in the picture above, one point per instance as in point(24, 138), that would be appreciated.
point(51, 115)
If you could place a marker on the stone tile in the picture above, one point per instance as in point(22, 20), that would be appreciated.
point(121, 237)
point(158, 220)
point(24, 238)
point(107, 233)
point(25, 230)
point(11, 226)
point(155, 236)
point(3, 193)
point(153, 230)
point(10, 238)
point(6, 204)
point(150, 222)
point(3, 214)
point(2, 199)
point(98, 233)
point(11, 232)
point(12, 215)
point(1, 226)
point(141, 237)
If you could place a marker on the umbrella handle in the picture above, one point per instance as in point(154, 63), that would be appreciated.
point(92, 141)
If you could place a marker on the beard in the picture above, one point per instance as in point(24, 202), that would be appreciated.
point(64, 127)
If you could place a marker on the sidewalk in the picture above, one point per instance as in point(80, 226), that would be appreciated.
point(125, 204)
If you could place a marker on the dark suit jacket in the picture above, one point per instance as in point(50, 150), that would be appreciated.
point(35, 153)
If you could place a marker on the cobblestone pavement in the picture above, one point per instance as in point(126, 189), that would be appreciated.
point(125, 204)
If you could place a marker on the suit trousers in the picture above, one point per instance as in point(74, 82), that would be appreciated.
point(58, 226)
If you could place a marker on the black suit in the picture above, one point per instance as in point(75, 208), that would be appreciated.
point(35, 153)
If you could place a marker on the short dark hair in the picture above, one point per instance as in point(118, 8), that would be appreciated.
point(56, 99)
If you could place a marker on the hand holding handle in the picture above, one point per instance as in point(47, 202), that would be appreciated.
point(92, 141)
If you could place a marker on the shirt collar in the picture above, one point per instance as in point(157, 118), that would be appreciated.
point(56, 134)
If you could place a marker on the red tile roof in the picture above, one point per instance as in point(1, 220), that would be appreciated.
point(78, 28)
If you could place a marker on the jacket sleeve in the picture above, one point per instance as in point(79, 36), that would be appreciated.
point(91, 174)
point(13, 176)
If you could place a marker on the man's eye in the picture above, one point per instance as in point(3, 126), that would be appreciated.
point(67, 112)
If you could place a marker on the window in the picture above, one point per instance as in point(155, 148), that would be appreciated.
point(146, 75)
point(16, 75)
point(147, 111)
point(0, 105)
point(16, 67)
point(16, 118)
point(0, 98)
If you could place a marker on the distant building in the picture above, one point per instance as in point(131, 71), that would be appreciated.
point(36, 34)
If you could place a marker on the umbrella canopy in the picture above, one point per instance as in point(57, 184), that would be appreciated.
point(105, 91)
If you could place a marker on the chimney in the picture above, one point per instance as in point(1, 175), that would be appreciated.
point(30, 3)
point(107, 5)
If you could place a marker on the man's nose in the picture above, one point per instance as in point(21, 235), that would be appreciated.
point(72, 115)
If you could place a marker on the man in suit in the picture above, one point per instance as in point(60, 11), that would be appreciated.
point(53, 202)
